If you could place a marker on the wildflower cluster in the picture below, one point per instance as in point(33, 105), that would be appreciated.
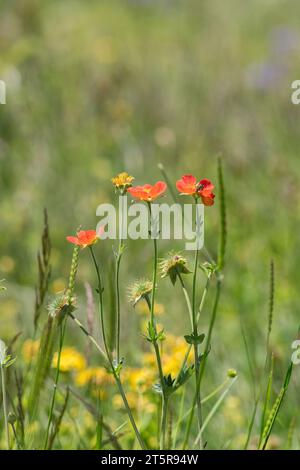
point(166, 361)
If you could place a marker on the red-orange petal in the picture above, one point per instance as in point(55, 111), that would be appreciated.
point(158, 190)
point(87, 237)
point(206, 185)
point(73, 240)
point(208, 200)
point(187, 185)
point(148, 192)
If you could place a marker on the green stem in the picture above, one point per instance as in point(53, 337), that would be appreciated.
point(196, 318)
point(91, 338)
point(118, 262)
point(211, 327)
point(117, 281)
point(154, 283)
point(196, 353)
point(187, 298)
point(180, 417)
point(188, 302)
point(205, 399)
point(203, 363)
point(116, 377)
point(61, 341)
point(4, 404)
point(163, 423)
point(156, 348)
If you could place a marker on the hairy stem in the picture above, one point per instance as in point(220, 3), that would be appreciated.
point(118, 329)
point(196, 352)
point(155, 344)
point(116, 376)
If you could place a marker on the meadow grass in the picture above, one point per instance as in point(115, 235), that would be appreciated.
point(130, 85)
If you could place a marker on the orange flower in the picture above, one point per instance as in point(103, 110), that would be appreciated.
point(147, 192)
point(86, 237)
point(188, 185)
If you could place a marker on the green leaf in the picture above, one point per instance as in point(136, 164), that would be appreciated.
point(184, 376)
point(194, 339)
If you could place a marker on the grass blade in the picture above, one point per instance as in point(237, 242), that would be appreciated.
point(267, 398)
point(214, 410)
point(275, 410)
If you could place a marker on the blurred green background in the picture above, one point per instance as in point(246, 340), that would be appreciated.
point(95, 88)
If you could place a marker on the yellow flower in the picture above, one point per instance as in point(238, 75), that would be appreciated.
point(173, 353)
point(96, 375)
point(70, 360)
point(139, 379)
point(137, 401)
point(30, 349)
point(143, 309)
point(122, 181)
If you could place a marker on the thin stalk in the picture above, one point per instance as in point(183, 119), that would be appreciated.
point(61, 342)
point(4, 404)
point(181, 408)
point(251, 424)
point(188, 302)
point(118, 329)
point(116, 377)
point(216, 391)
point(164, 422)
point(205, 399)
point(196, 353)
point(57, 424)
point(19, 446)
point(206, 349)
point(214, 410)
point(155, 345)
point(91, 338)
point(117, 282)
point(211, 327)
point(154, 283)
point(187, 298)
point(164, 403)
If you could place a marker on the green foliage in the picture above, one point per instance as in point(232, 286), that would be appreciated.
point(275, 410)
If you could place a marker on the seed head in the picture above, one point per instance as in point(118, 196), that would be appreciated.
point(173, 265)
point(140, 289)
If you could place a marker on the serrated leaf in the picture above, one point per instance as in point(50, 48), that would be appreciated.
point(184, 376)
